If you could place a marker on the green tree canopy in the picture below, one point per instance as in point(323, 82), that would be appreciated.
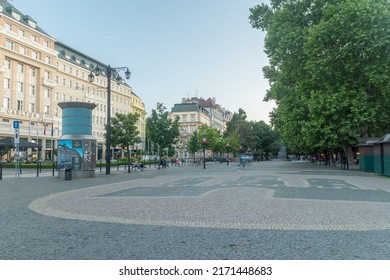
point(243, 135)
point(329, 69)
point(161, 129)
point(124, 132)
point(193, 144)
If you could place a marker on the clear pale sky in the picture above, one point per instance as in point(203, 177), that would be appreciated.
point(174, 48)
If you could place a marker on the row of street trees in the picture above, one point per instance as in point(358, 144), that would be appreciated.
point(329, 69)
point(241, 135)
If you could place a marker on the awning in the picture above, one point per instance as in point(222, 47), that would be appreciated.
point(23, 144)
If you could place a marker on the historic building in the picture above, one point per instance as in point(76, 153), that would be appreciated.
point(195, 112)
point(38, 71)
point(138, 106)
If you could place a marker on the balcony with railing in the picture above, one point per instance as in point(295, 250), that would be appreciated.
point(48, 82)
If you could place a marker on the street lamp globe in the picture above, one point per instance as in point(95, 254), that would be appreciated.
point(127, 74)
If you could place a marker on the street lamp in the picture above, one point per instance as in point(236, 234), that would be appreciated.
point(204, 144)
point(109, 72)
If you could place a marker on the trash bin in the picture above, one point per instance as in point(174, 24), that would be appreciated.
point(68, 174)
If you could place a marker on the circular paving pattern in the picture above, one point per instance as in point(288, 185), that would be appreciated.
point(249, 200)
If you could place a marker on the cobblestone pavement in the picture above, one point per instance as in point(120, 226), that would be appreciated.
point(269, 210)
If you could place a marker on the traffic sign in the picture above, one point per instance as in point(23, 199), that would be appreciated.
point(16, 124)
point(17, 141)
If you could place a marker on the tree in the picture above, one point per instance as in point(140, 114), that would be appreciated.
point(348, 56)
point(212, 136)
point(124, 132)
point(329, 69)
point(242, 135)
point(237, 120)
point(193, 144)
point(231, 143)
point(161, 129)
point(265, 139)
point(240, 127)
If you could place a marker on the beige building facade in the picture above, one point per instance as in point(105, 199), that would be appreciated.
point(195, 112)
point(138, 106)
point(38, 72)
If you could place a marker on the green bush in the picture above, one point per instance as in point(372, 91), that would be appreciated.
point(28, 165)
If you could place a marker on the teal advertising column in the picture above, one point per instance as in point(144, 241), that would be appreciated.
point(76, 146)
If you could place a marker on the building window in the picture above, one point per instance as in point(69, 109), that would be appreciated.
point(7, 83)
point(47, 75)
point(47, 93)
point(34, 38)
point(19, 105)
point(19, 86)
point(23, 50)
point(16, 15)
point(47, 109)
point(10, 45)
point(48, 59)
point(192, 117)
point(22, 33)
point(34, 55)
point(20, 68)
point(6, 103)
point(32, 89)
point(8, 27)
point(32, 107)
point(7, 64)
point(32, 72)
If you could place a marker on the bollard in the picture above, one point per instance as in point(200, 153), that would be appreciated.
point(1, 171)
point(37, 169)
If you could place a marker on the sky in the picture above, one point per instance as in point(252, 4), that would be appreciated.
point(174, 48)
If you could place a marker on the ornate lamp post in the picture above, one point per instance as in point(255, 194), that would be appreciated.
point(204, 144)
point(109, 72)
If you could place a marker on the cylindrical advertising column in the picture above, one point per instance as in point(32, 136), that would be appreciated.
point(76, 146)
